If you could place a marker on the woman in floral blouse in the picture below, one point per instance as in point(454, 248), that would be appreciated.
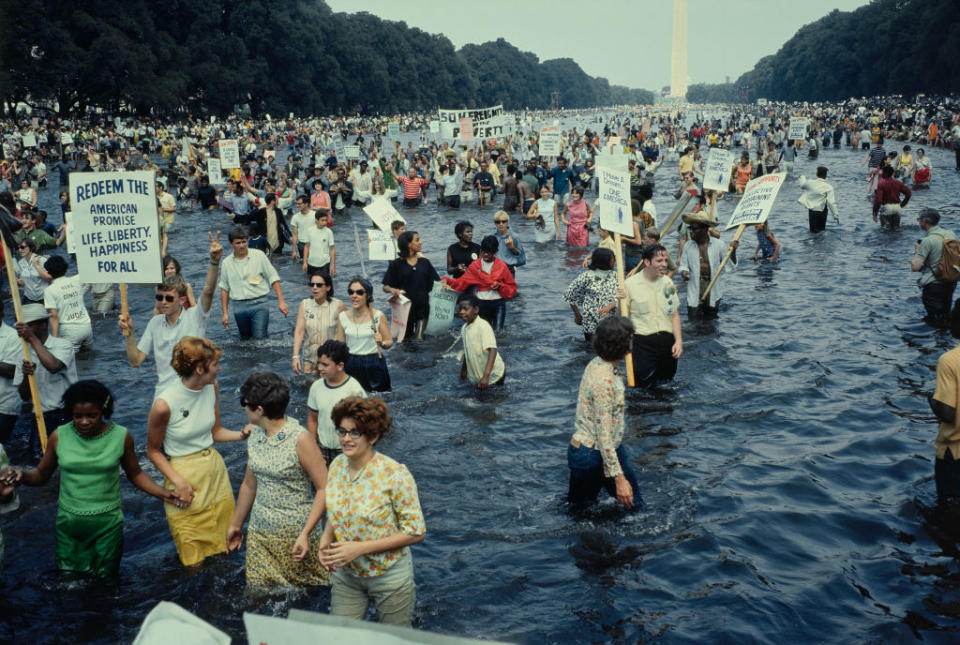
point(593, 294)
point(373, 516)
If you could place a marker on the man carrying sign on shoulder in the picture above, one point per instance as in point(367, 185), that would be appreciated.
point(172, 324)
point(698, 263)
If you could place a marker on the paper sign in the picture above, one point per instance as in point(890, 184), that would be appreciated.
point(613, 141)
point(434, 127)
point(338, 147)
point(270, 153)
point(615, 161)
point(646, 125)
point(466, 129)
point(443, 306)
point(214, 172)
point(487, 122)
point(116, 227)
point(399, 312)
point(70, 234)
point(351, 152)
point(393, 131)
point(66, 139)
point(716, 176)
point(383, 214)
point(30, 140)
point(798, 128)
point(36, 122)
point(229, 153)
point(380, 244)
point(616, 215)
point(550, 141)
point(757, 201)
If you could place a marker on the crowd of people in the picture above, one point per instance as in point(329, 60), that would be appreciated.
point(321, 504)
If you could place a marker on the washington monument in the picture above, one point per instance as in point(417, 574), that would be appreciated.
point(678, 60)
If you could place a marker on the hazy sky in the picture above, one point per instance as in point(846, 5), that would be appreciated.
point(626, 41)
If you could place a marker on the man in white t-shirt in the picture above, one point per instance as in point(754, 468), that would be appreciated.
point(334, 386)
point(172, 324)
point(300, 223)
point(319, 254)
point(63, 299)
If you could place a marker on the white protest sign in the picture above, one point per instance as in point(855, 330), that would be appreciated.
point(380, 245)
point(466, 129)
point(29, 140)
point(443, 306)
point(757, 201)
point(66, 139)
point(270, 153)
point(613, 141)
point(70, 233)
point(393, 131)
point(229, 153)
point(338, 147)
point(487, 122)
point(798, 128)
point(434, 127)
point(716, 176)
point(399, 312)
point(615, 161)
point(616, 215)
point(550, 141)
point(351, 152)
point(383, 214)
point(116, 227)
point(213, 171)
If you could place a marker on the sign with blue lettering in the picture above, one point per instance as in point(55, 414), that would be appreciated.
point(116, 227)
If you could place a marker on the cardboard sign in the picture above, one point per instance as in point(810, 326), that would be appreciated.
point(466, 129)
point(798, 128)
point(383, 214)
point(270, 153)
point(399, 312)
point(716, 176)
point(393, 131)
point(757, 201)
point(29, 140)
point(214, 172)
point(487, 122)
point(615, 161)
point(443, 306)
point(616, 215)
point(351, 152)
point(229, 153)
point(380, 245)
point(116, 227)
point(550, 141)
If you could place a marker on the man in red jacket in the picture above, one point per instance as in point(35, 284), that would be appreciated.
point(886, 200)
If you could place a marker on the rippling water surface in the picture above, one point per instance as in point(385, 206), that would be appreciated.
point(787, 470)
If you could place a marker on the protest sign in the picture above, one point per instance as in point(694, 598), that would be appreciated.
point(798, 128)
point(550, 141)
point(762, 101)
point(383, 214)
point(757, 201)
point(116, 227)
point(716, 176)
point(615, 161)
point(70, 233)
point(393, 131)
point(214, 172)
point(66, 139)
point(380, 245)
point(443, 306)
point(270, 153)
point(466, 129)
point(229, 153)
point(646, 125)
point(339, 147)
point(29, 140)
point(434, 127)
point(35, 121)
point(616, 215)
point(399, 312)
point(351, 152)
point(487, 122)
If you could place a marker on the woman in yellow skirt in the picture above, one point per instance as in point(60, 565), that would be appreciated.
point(184, 422)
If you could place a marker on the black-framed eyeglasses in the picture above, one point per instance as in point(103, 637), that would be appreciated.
point(318, 284)
point(165, 296)
point(355, 292)
point(354, 434)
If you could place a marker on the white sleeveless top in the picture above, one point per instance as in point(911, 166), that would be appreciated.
point(360, 336)
point(192, 415)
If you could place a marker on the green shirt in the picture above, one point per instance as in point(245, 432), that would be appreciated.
point(40, 237)
point(89, 478)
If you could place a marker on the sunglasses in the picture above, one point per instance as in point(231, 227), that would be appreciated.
point(23, 246)
point(244, 403)
point(354, 434)
point(161, 297)
point(355, 292)
point(501, 221)
point(318, 284)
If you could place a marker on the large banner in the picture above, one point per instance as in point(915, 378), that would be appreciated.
point(716, 176)
point(757, 201)
point(487, 122)
point(116, 227)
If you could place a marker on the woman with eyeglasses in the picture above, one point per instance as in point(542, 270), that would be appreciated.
point(366, 332)
point(373, 517)
point(283, 491)
point(183, 424)
point(316, 323)
point(32, 278)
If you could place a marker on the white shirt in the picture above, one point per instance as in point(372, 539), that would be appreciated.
point(11, 352)
point(51, 386)
point(302, 222)
point(817, 195)
point(65, 296)
point(159, 338)
point(248, 278)
point(192, 415)
point(320, 241)
point(33, 285)
point(323, 398)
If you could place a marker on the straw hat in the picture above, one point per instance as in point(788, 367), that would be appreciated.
point(698, 218)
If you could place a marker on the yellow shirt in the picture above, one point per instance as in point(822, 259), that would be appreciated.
point(948, 392)
point(686, 164)
point(652, 304)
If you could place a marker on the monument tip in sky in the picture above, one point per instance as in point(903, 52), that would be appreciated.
point(678, 60)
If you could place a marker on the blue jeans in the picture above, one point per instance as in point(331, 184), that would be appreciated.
point(252, 317)
point(586, 475)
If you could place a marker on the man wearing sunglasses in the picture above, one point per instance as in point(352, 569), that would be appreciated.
point(172, 324)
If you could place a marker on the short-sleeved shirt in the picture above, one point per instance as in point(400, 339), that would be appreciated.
point(561, 180)
point(65, 295)
point(652, 304)
point(377, 502)
point(302, 222)
point(320, 241)
point(478, 339)
point(11, 353)
point(948, 393)
point(930, 252)
point(322, 399)
point(248, 278)
point(51, 386)
point(159, 339)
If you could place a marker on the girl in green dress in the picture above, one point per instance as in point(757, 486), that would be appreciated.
point(88, 450)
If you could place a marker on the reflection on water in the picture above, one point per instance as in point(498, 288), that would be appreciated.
point(787, 471)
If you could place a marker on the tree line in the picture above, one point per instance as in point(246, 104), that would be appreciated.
point(886, 47)
point(215, 56)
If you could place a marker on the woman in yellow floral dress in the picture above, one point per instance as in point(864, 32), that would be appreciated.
point(373, 516)
point(282, 491)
